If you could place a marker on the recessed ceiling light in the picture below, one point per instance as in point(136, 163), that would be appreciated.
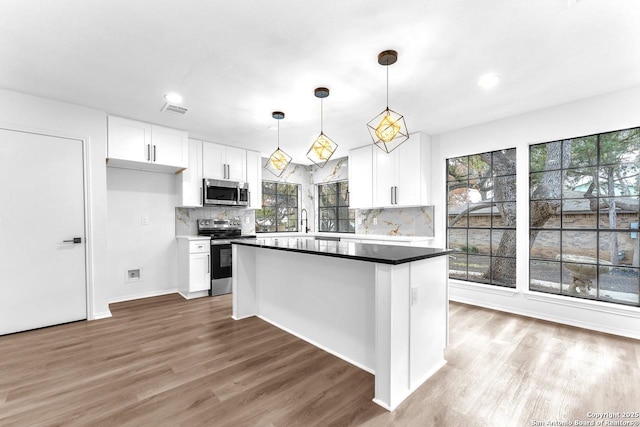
point(489, 81)
point(173, 98)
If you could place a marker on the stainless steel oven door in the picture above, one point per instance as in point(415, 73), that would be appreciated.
point(220, 267)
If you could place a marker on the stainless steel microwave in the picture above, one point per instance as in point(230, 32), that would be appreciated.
point(228, 193)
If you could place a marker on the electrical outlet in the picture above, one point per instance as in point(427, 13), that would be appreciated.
point(375, 220)
point(414, 296)
point(144, 220)
point(359, 221)
point(133, 275)
point(247, 220)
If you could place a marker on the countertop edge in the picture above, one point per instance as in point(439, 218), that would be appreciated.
point(441, 252)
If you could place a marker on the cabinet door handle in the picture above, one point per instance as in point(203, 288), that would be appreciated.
point(395, 194)
point(75, 240)
point(208, 264)
point(148, 152)
point(201, 195)
point(154, 153)
point(392, 195)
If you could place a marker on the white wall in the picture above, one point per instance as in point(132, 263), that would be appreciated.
point(132, 194)
point(609, 112)
point(26, 112)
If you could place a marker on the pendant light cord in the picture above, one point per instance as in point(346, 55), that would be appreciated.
point(321, 114)
point(278, 134)
point(387, 85)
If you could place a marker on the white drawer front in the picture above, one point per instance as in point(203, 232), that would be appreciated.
point(199, 246)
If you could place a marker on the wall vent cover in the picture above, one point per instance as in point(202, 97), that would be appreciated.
point(175, 109)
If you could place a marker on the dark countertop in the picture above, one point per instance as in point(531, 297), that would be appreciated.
point(385, 254)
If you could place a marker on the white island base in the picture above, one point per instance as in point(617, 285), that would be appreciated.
point(390, 320)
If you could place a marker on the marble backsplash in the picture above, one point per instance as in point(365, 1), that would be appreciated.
point(186, 218)
point(417, 221)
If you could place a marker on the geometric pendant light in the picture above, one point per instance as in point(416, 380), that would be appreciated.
point(279, 160)
point(388, 129)
point(323, 147)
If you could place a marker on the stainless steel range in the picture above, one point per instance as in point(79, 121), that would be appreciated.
point(221, 231)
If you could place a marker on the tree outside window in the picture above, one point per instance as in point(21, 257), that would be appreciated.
point(279, 211)
point(584, 203)
point(333, 208)
point(481, 217)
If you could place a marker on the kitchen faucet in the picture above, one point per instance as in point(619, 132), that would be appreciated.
point(304, 221)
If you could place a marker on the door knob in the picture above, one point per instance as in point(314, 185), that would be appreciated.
point(74, 240)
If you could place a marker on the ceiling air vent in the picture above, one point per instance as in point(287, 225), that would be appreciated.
point(174, 108)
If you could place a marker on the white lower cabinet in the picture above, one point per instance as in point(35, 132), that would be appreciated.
point(194, 267)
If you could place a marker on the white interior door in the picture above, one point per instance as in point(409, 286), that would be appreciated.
point(42, 278)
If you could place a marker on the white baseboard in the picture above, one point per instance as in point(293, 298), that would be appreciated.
point(192, 295)
point(143, 295)
point(549, 317)
point(321, 347)
point(102, 315)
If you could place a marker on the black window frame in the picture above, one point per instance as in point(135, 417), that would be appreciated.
point(339, 188)
point(465, 252)
point(541, 263)
point(279, 198)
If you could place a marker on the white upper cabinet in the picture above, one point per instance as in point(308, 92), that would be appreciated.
point(254, 178)
point(138, 145)
point(224, 162)
point(128, 140)
point(401, 178)
point(189, 182)
point(397, 179)
point(360, 174)
point(170, 147)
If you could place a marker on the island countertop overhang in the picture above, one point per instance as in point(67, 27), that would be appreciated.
point(368, 252)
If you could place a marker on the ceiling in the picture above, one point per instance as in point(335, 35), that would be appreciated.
point(234, 62)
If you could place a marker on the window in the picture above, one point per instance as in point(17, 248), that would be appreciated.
point(481, 217)
point(279, 208)
point(583, 217)
point(333, 207)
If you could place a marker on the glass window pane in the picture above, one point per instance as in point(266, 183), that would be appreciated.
point(343, 213)
point(617, 248)
point(504, 162)
point(503, 271)
point(458, 266)
point(541, 214)
point(457, 168)
point(576, 214)
point(504, 215)
point(479, 268)
point(502, 242)
point(458, 215)
point(458, 240)
point(578, 182)
point(579, 246)
point(546, 245)
point(537, 157)
point(479, 241)
point(584, 151)
point(544, 276)
point(619, 284)
point(504, 189)
point(625, 215)
point(579, 280)
point(268, 187)
point(545, 185)
point(619, 147)
point(480, 165)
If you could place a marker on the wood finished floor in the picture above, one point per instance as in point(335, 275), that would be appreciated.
point(165, 361)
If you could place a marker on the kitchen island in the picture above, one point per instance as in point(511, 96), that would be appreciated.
point(383, 308)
